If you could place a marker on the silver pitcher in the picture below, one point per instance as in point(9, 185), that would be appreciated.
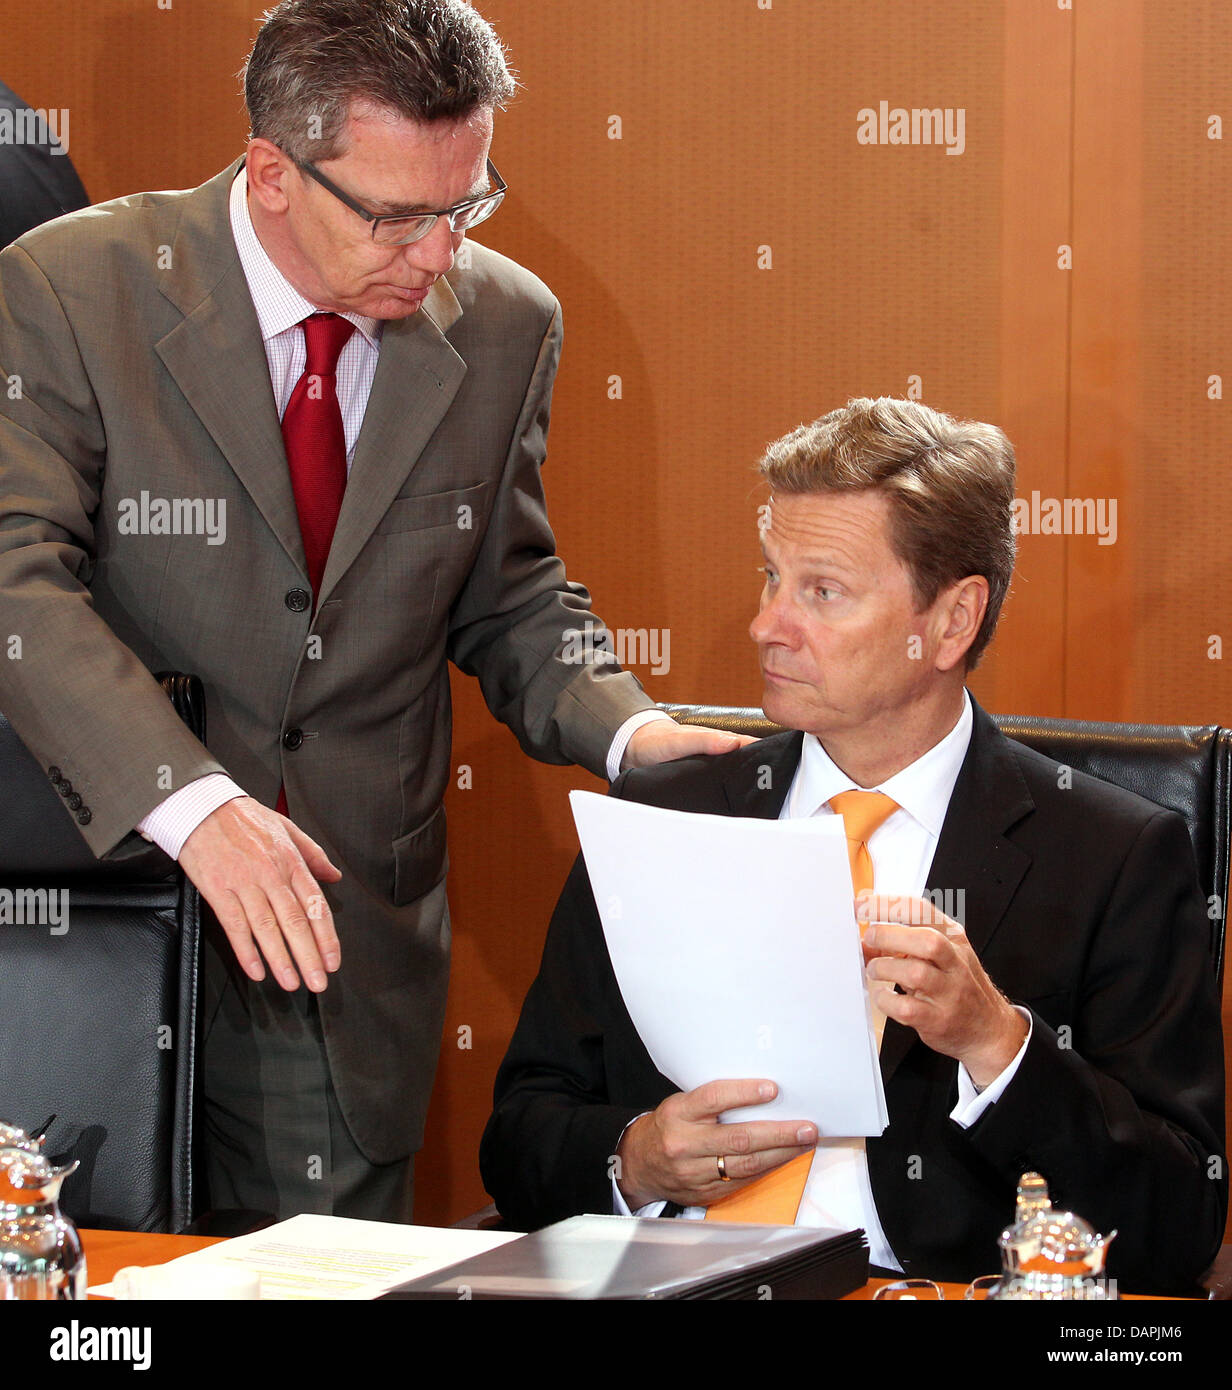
point(40, 1250)
point(1050, 1254)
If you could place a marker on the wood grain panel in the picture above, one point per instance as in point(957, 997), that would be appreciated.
point(738, 131)
point(1027, 666)
point(1105, 429)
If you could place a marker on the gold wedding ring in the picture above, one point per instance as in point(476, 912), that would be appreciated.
point(722, 1169)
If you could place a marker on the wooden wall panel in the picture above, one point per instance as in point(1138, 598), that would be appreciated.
point(153, 93)
point(1026, 670)
point(1105, 379)
point(1180, 589)
point(1084, 127)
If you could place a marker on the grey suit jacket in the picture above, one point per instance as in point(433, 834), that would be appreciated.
point(131, 363)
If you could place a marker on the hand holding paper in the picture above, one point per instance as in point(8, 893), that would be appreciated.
point(737, 955)
point(673, 1152)
point(947, 996)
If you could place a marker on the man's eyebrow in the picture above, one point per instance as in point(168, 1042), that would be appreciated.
point(816, 563)
point(824, 562)
point(386, 208)
point(390, 209)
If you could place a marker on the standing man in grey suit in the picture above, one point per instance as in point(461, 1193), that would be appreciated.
point(274, 431)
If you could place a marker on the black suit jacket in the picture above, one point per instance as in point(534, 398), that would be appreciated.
point(1083, 904)
point(36, 183)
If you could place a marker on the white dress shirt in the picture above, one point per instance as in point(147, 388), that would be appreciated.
point(280, 309)
point(838, 1192)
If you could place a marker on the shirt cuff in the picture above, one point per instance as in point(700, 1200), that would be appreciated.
point(972, 1102)
point(616, 753)
point(621, 1208)
point(172, 821)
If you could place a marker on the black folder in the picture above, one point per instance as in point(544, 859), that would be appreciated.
point(628, 1257)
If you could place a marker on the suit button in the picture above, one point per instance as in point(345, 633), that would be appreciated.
point(298, 600)
point(74, 802)
point(84, 816)
point(54, 773)
point(293, 738)
point(65, 787)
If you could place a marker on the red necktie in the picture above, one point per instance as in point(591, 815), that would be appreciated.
point(315, 442)
point(316, 447)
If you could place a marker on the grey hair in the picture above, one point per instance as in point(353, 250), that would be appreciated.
point(426, 60)
point(949, 483)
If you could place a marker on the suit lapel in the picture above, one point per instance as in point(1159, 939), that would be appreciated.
point(757, 777)
point(217, 359)
point(417, 377)
point(973, 853)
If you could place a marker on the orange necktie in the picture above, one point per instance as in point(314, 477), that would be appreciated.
point(863, 813)
point(774, 1200)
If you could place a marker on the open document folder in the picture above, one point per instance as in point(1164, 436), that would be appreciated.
point(737, 952)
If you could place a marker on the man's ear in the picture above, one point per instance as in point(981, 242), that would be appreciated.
point(961, 610)
point(269, 170)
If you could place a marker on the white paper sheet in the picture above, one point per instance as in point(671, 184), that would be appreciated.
point(737, 952)
point(312, 1256)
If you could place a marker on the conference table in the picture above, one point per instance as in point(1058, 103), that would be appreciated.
point(289, 1337)
point(109, 1251)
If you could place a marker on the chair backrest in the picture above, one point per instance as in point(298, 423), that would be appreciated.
point(98, 999)
point(1186, 769)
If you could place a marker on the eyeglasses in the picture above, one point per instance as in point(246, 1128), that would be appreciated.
point(925, 1291)
point(402, 230)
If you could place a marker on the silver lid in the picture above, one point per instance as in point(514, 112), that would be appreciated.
point(29, 1177)
point(1044, 1240)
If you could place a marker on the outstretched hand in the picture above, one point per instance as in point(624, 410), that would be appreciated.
point(664, 740)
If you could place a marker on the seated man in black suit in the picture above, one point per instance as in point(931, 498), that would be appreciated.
point(1069, 1025)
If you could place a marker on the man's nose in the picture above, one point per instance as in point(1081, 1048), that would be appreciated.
point(434, 253)
point(765, 624)
point(772, 623)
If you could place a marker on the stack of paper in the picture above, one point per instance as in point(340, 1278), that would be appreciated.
point(736, 949)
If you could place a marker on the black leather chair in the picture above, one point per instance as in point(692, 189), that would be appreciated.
point(98, 1023)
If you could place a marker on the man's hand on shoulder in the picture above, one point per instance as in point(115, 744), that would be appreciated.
point(673, 1151)
point(259, 872)
point(664, 740)
point(947, 996)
